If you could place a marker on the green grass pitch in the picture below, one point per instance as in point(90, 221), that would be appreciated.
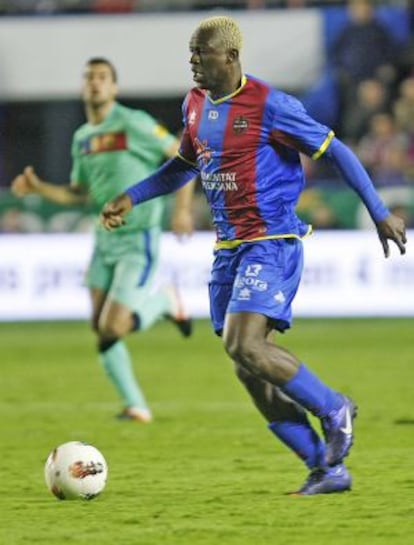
point(207, 471)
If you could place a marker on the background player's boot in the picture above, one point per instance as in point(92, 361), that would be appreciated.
point(338, 431)
point(138, 415)
point(328, 480)
point(178, 316)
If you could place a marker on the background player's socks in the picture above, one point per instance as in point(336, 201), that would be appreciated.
point(117, 364)
point(309, 391)
point(300, 437)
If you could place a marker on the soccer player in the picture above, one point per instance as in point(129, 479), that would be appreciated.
point(244, 138)
point(118, 146)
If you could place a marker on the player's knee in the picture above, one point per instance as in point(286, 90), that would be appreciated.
point(243, 350)
point(111, 329)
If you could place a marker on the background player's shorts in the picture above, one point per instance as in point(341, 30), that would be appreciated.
point(260, 277)
point(127, 278)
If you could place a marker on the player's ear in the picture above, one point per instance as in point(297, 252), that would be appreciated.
point(233, 55)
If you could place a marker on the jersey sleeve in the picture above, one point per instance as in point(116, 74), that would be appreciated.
point(186, 150)
point(293, 127)
point(145, 132)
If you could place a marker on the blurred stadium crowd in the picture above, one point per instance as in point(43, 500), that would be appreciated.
point(16, 7)
point(365, 93)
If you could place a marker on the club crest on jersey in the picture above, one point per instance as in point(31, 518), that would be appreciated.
point(98, 143)
point(213, 115)
point(240, 125)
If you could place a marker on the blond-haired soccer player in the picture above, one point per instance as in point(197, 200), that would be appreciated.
point(243, 137)
point(116, 147)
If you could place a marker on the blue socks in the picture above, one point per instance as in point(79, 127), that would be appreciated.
point(300, 437)
point(306, 389)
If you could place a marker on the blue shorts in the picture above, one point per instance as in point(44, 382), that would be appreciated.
point(260, 277)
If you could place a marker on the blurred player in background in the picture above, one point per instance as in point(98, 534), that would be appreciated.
point(116, 147)
point(244, 138)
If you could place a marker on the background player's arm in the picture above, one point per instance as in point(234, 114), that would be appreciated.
point(29, 182)
point(170, 177)
point(182, 222)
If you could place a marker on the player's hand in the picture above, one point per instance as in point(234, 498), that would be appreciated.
point(25, 183)
point(113, 213)
point(182, 222)
point(392, 228)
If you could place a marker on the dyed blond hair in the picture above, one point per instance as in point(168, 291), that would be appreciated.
point(226, 29)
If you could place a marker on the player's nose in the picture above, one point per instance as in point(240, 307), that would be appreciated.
point(194, 59)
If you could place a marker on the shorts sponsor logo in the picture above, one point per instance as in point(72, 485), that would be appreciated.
point(239, 282)
point(253, 270)
point(251, 283)
point(244, 294)
point(279, 297)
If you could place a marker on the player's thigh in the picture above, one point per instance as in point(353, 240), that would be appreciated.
point(132, 281)
point(99, 273)
point(115, 320)
point(98, 279)
point(128, 293)
point(98, 298)
point(244, 332)
point(267, 279)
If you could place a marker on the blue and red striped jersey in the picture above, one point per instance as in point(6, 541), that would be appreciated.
point(246, 146)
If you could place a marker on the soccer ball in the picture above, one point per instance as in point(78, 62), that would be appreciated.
point(76, 470)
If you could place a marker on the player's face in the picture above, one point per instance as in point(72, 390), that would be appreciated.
point(210, 61)
point(99, 87)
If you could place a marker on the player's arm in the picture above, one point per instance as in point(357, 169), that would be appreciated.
point(29, 182)
point(170, 177)
point(389, 226)
point(293, 127)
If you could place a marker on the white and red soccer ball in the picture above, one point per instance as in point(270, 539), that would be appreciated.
point(76, 470)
